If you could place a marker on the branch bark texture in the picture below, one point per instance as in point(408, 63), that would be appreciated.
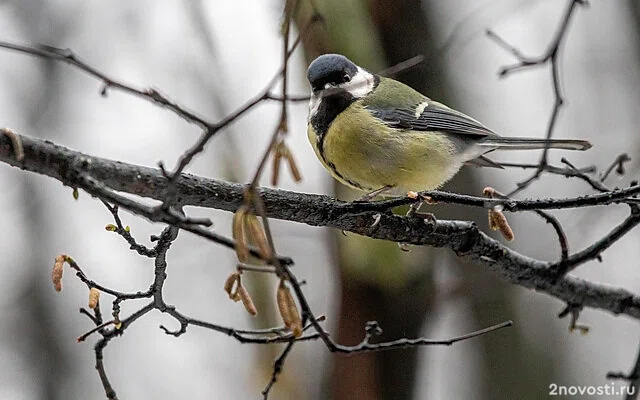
point(93, 174)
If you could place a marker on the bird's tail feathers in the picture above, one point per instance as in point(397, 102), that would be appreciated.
point(506, 143)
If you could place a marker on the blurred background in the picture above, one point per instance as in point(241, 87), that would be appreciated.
point(211, 56)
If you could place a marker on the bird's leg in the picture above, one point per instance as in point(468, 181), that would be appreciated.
point(428, 218)
point(414, 208)
point(371, 195)
point(414, 211)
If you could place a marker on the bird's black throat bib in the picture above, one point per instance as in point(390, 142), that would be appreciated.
point(330, 107)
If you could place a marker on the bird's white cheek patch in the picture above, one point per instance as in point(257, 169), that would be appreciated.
point(361, 85)
point(420, 109)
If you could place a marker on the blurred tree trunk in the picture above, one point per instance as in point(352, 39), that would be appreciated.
point(505, 355)
point(635, 9)
point(378, 281)
point(387, 287)
point(37, 330)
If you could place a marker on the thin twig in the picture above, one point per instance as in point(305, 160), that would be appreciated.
point(562, 236)
point(156, 214)
point(594, 183)
point(633, 377)
point(403, 66)
point(568, 172)
point(573, 310)
point(593, 252)
point(277, 368)
point(69, 57)
point(551, 57)
point(365, 346)
point(618, 165)
point(126, 235)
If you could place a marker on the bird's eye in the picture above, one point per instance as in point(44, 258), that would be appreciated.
point(346, 78)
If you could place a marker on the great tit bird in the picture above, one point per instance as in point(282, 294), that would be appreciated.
point(381, 136)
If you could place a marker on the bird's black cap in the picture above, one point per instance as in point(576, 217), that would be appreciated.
point(330, 68)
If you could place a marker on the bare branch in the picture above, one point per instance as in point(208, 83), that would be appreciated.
point(97, 175)
point(366, 345)
point(633, 390)
point(46, 158)
point(277, 368)
point(593, 252)
point(562, 237)
point(618, 165)
point(69, 57)
point(551, 57)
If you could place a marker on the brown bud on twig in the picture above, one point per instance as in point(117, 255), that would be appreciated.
point(16, 143)
point(283, 305)
point(56, 274)
point(259, 237)
point(116, 318)
point(231, 286)
point(235, 290)
point(412, 195)
point(275, 170)
point(239, 234)
point(584, 329)
point(293, 166)
point(247, 302)
point(281, 151)
point(288, 309)
point(498, 221)
point(429, 200)
point(492, 221)
point(489, 191)
point(94, 298)
point(296, 323)
point(111, 227)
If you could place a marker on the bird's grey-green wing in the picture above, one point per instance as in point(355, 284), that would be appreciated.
point(432, 116)
point(402, 107)
point(461, 129)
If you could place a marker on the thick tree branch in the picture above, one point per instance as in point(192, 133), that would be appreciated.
point(46, 158)
point(78, 170)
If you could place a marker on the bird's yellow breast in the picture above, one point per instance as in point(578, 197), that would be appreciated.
point(365, 153)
